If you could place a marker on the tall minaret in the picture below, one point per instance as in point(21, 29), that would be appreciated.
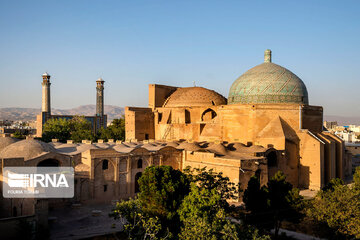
point(46, 107)
point(100, 97)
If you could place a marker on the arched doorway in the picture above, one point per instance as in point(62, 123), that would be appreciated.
point(272, 159)
point(137, 186)
point(49, 163)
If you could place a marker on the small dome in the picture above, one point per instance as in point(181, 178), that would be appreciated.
point(81, 167)
point(122, 148)
point(46, 74)
point(84, 147)
point(189, 146)
point(172, 144)
point(26, 149)
point(268, 83)
point(6, 141)
point(217, 148)
point(194, 96)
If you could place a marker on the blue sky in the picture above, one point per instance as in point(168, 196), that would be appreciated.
point(131, 44)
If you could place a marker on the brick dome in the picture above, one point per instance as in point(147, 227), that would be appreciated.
point(194, 96)
point(26, 149)
point(268, 83)
point(6, 141)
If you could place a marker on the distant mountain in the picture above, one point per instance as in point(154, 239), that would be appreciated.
point(26, 114)
point(343, 120)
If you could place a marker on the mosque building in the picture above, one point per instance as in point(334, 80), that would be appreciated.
point(267, 109)
point(97, 122)
point(266, 124)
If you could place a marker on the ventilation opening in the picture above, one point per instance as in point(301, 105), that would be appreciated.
point(160, 117)
point(187, 116)
point(146, 136)
point(105, 188)
point(169, 119)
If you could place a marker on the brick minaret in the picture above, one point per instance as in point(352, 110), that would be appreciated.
point(100, 97)
point(46, 107)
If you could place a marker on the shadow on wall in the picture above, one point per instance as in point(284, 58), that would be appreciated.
point(304, 178)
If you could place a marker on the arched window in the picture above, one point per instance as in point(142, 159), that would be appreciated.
point(137, 177)
point(187, 116)
point(208, 115)
point(272, 159)
point(105, 164)
point(139, 163)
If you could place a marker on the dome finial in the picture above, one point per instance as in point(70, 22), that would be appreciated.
point(267, 56)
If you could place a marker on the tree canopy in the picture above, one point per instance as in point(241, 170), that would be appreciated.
point(77, 129)
point(209, 179)
point(271, 204)
point(116, 130)
point(338, 206)
point(203, 216)
point(162, 190)
point(174, 205)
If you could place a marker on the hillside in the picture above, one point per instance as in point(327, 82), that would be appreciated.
point(26, 114)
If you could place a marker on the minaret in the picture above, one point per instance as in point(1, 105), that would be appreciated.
point(100, 97)
point(267, 56)
point(46, 107)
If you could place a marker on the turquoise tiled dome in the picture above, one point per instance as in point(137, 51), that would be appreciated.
point(268, 83)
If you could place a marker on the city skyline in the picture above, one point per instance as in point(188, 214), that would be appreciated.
point(131, 45)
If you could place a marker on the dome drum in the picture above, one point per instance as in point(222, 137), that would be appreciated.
point(267, 99)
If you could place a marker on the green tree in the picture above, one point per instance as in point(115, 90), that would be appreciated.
point(276, 202)
point(284, 201)
point(167, 209)
point(255, 197)
point(209, 179)
point(357, 179)
point(116, 130)
point(136, 224)
point(339, 207)
point(80, 129)
point(56, 129)
point(18, 135)
point(203, 216)
point(77, 129)
point(162, 190)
